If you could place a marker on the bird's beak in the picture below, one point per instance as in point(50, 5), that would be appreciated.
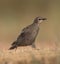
point(44, 19)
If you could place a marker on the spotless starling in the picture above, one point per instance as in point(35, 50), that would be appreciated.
point(28, 34)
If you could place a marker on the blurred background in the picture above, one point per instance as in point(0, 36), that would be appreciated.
point(17, 14)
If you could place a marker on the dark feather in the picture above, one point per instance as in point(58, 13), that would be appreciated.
point(12, 47)
point(14, 43)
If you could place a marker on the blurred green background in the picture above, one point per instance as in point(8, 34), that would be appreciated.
point(17, 14)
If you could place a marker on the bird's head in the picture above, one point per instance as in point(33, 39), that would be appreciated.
point(39, 19)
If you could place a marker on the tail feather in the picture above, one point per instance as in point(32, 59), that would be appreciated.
point(13, 47)
point(14, 43)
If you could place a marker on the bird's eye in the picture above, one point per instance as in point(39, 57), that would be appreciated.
point(39, 19)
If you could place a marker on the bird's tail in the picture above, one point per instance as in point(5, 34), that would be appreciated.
point(13, 47)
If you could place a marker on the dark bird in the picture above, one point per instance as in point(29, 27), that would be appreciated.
point(28, 34)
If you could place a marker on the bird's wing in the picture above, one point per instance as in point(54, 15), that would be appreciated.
point(24, 32)
point(26, 29)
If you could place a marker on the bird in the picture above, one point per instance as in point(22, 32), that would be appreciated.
point(28, 35)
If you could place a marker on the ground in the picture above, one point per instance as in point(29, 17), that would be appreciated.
point(48, 53)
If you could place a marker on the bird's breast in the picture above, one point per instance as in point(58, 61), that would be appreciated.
point(32, 33)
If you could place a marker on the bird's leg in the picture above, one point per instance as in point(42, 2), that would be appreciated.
point(15, 48)
point(33, 46)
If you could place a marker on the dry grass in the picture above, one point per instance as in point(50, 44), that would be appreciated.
point(27, 55)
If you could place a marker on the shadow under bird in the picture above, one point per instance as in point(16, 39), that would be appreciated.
point(28, 34)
